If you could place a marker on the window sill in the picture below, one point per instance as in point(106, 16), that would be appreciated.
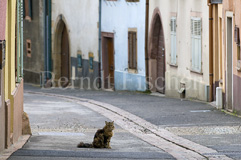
point(200, 73)
point(238, 69)
point(133, 71)
point(79, 69)
point(221, 81)
point(239, 66)
point(173, 65)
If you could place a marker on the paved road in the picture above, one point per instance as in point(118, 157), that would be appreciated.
point(196, 121)
point(58, 125)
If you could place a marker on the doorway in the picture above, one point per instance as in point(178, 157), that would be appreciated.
point(108, 60)
point(61, 53)
point(229, 65)
point(157, 55)
point(65, 58)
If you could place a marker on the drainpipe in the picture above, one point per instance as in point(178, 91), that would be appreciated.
point(45, 42)
point(21, 40)
point(146, 44)
point(49, 62)
point(18, 41)
point(100, 7)
point(210, 51)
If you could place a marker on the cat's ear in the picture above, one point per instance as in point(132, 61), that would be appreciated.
point(106, 122)
point(113, 122)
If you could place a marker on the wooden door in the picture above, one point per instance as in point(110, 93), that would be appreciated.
point(161, 71)
point(65, 58)
point(161, 62)
point(111, 69)
point(108, 62)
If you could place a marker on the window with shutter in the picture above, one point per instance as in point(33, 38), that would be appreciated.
point(196, 42)
point(132, 50)
point(173, 41)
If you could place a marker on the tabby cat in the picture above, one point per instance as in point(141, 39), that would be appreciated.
point(102, 137)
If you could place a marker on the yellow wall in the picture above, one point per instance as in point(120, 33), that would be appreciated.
point(10, 49)
point(10, 54)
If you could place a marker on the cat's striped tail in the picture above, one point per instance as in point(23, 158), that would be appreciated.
point(84, 145)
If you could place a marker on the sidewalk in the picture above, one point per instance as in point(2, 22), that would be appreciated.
point(58, 125)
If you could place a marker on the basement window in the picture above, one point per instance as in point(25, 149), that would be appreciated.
point(91, 60)
point(79, 57)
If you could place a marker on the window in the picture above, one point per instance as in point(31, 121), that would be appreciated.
point(28, 9)
point(132, 50)
point(91, 60)
point(196, 44)
point(173, 41)
point(2, 54)
point(238, 52)
point(238, 58)
point(237, 40)
point(79, 57)
point(28, 47)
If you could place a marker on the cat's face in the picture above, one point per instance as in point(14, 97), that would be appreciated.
point(110, 125)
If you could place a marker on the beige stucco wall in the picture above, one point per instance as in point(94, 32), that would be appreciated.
point(184, 10)
point(231, 8)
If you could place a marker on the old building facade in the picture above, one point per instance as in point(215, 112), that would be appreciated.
point(37, 41)
point(11, 106)
point(178, 48)
point(75, 43)
point(231, 18)
point(123, 44)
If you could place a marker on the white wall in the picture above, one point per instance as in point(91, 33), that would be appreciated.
point(82, 17)
point(117, 17)
point(184, 10)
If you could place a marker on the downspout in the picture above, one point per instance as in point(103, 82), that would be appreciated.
point(49, 38)
point(210, 51)
point(45, 44)
point(100, 7)
point(146, 45)
point(18, 41)
point(21, 32)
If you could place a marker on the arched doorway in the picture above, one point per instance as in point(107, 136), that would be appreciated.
point(157, 62)
point(61, 56)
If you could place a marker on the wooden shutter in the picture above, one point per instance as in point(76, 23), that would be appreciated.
point(132, 50)
point(196, 40)
point(173, 41)
point(130, 46)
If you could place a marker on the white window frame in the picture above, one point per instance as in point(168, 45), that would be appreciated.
point(173, 40)
point(196, 44)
